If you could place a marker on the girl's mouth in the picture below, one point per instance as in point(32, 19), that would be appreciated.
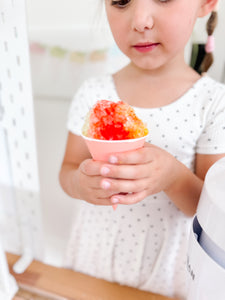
point(145, 47)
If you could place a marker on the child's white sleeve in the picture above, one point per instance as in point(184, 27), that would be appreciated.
point(79, 107)
point(212, 139)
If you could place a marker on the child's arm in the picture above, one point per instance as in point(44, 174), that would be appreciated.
point(185, 192)
point(151, 170)
point(80, 176)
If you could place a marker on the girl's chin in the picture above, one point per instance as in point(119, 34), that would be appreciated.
point(146, 65)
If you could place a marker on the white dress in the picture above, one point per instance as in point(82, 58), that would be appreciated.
point(145, 245)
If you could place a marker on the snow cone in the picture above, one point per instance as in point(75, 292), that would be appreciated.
point(112, 127)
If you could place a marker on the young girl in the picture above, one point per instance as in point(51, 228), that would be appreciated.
point(144, 242)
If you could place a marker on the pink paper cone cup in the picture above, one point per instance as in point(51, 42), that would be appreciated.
point(114, 206)
point(102, 149)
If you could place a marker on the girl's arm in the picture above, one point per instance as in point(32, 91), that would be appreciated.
point(75, 153)
point(186, 189)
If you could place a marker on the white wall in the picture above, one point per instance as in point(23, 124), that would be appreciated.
point(77, 29)
point(77, 24)
point(63, 13)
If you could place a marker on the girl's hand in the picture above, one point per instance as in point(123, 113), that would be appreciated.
point(137, 174)
point(91, 186)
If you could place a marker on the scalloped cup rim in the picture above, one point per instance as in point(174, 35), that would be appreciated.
point(114, 141)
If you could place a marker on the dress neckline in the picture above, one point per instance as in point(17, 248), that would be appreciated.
point(185, 95)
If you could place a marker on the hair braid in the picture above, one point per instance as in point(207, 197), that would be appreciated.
point(210, 27)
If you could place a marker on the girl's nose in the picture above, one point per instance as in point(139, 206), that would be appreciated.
point(142, 19)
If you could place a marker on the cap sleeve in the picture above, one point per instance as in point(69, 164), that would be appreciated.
point(212, 139)
point(79, 108)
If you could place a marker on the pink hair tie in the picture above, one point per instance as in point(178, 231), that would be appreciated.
point(210, 45)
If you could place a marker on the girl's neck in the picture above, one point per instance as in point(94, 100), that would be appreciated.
point(154, 88)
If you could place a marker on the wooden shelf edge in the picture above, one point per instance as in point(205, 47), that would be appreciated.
point(70, 285)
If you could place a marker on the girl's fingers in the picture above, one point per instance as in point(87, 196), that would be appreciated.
point(93, 182)
point(90, 167)
point(102, 190)
point(139, 156)
point(126, 171)
point(102, 201)
point(130, 198)
point(123, 186)
point(99, 196)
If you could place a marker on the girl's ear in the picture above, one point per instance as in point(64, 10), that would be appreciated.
point(207, 7)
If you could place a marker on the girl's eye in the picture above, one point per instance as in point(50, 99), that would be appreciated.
point(120, 3)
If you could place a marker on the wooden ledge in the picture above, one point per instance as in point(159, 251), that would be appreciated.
point(69, 285)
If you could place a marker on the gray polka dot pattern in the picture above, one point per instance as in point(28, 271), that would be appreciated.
point(145, 245)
